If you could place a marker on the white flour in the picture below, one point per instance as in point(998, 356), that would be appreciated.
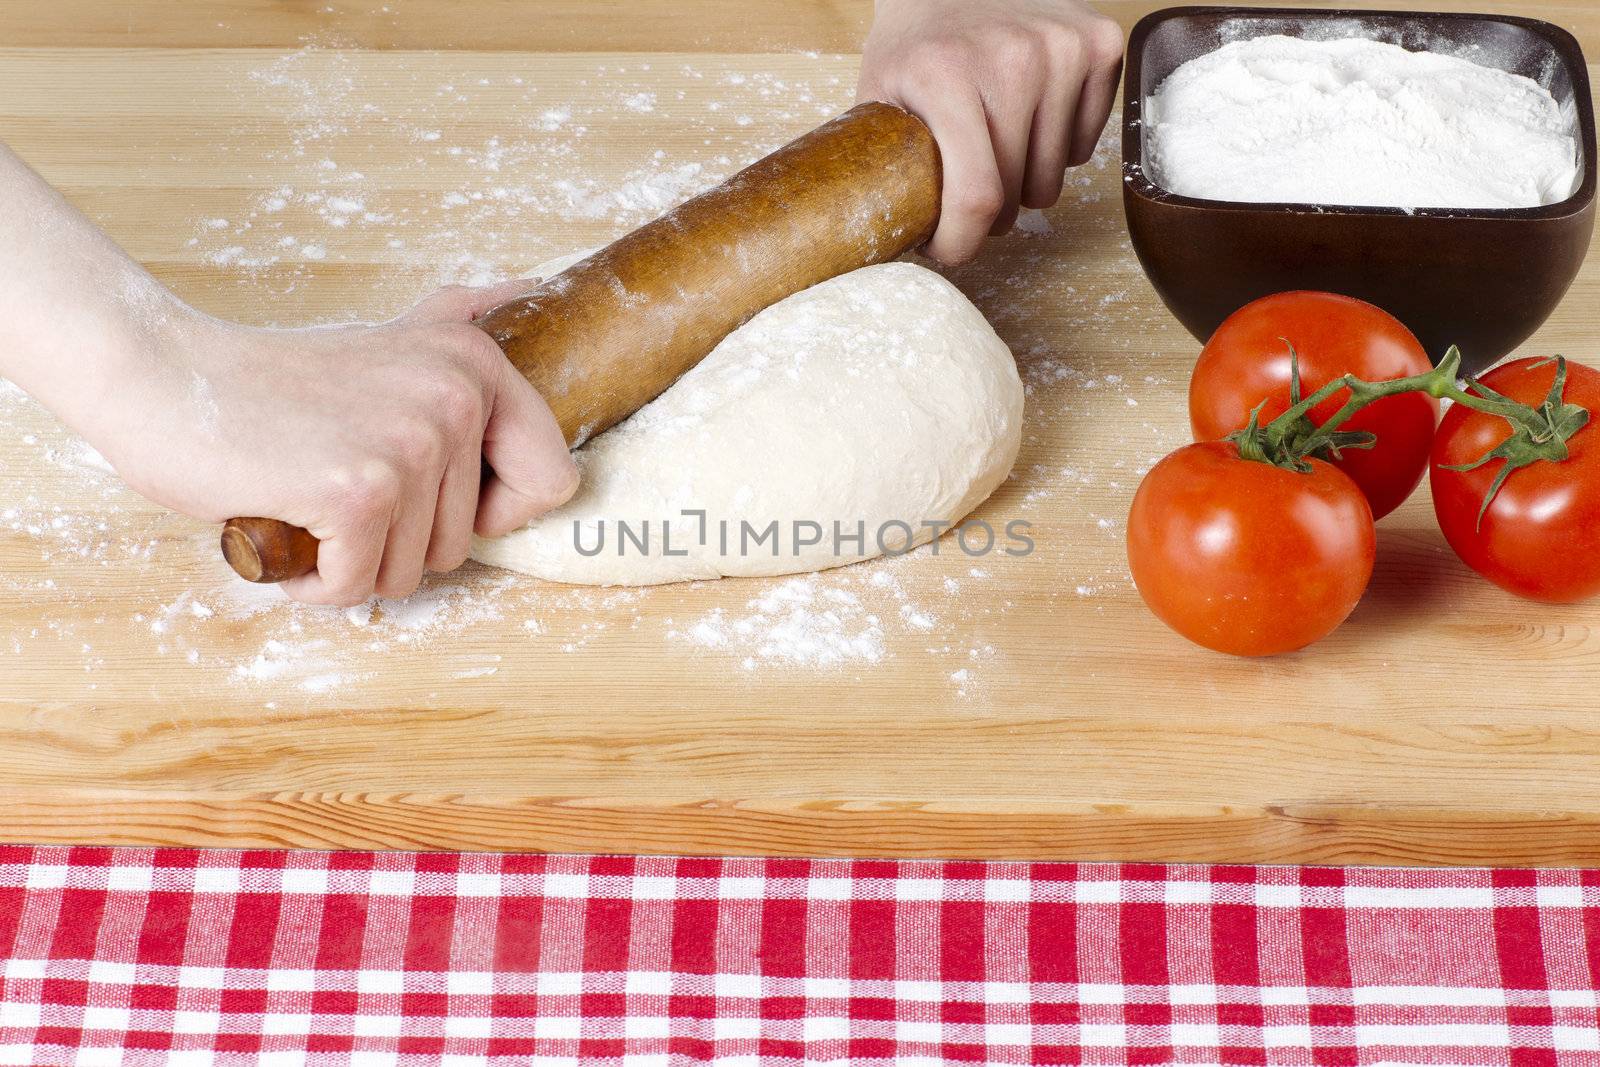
point(1358, 122)
point(799, 621)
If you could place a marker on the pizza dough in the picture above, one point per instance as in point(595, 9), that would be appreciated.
point(878, 403)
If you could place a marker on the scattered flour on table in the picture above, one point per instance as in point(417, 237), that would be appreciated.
point(252, 636)
point(844, 618)
point(502, 198)
point(801, 621)
point(1034, 223)
point(59, 532)
point(500, 201)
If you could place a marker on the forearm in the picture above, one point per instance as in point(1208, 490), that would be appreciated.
point(82, 326)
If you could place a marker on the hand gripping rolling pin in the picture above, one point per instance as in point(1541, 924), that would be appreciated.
point(609, 334)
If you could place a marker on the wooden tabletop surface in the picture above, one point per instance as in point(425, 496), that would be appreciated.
point(310, 163)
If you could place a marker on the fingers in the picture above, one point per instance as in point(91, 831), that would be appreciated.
point(462, 303)
point(1049, 143)
point(349, 555)
point(533, 471)
point(1103, 46)
point(1010, 118)
point(974, 192)
point(406, 552)
point(347, 569)
point(411, 503)
point(387, 537)
point(457, 510)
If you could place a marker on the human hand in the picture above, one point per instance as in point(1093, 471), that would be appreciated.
point(369, 436)
point(1015, 91)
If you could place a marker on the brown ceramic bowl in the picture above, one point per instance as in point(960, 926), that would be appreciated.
point(1481, 279)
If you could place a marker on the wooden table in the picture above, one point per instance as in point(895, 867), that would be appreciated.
point(308, 163)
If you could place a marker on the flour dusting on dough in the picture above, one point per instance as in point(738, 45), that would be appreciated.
point(872, 404)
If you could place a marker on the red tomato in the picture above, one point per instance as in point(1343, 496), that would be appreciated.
point(1247, 361)
point(1245, 557)
point(1540, 537)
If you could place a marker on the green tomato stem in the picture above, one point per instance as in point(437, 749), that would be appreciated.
point(1537, 434)
point(1439, 382)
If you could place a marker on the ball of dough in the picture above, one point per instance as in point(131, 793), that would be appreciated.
point(877, 402)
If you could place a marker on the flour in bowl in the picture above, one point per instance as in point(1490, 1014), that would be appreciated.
point(1357, 122)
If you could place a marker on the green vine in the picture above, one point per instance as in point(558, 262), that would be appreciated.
point(1291, 439)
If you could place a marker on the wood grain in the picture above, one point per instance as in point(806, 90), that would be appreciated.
point(1446, 723)
point(544, 26)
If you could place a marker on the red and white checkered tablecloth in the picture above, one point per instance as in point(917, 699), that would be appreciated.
point(143, 956)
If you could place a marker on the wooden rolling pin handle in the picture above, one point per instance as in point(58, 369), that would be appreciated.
point(267, 550)
point(609, 334)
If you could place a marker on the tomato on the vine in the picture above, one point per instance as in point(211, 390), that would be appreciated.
point(1540, 535)
point(1247, 557)
point(1247, 361)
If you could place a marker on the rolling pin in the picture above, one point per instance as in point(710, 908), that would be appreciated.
point(610, 333)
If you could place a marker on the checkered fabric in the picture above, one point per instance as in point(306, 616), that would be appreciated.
point(139, 956)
